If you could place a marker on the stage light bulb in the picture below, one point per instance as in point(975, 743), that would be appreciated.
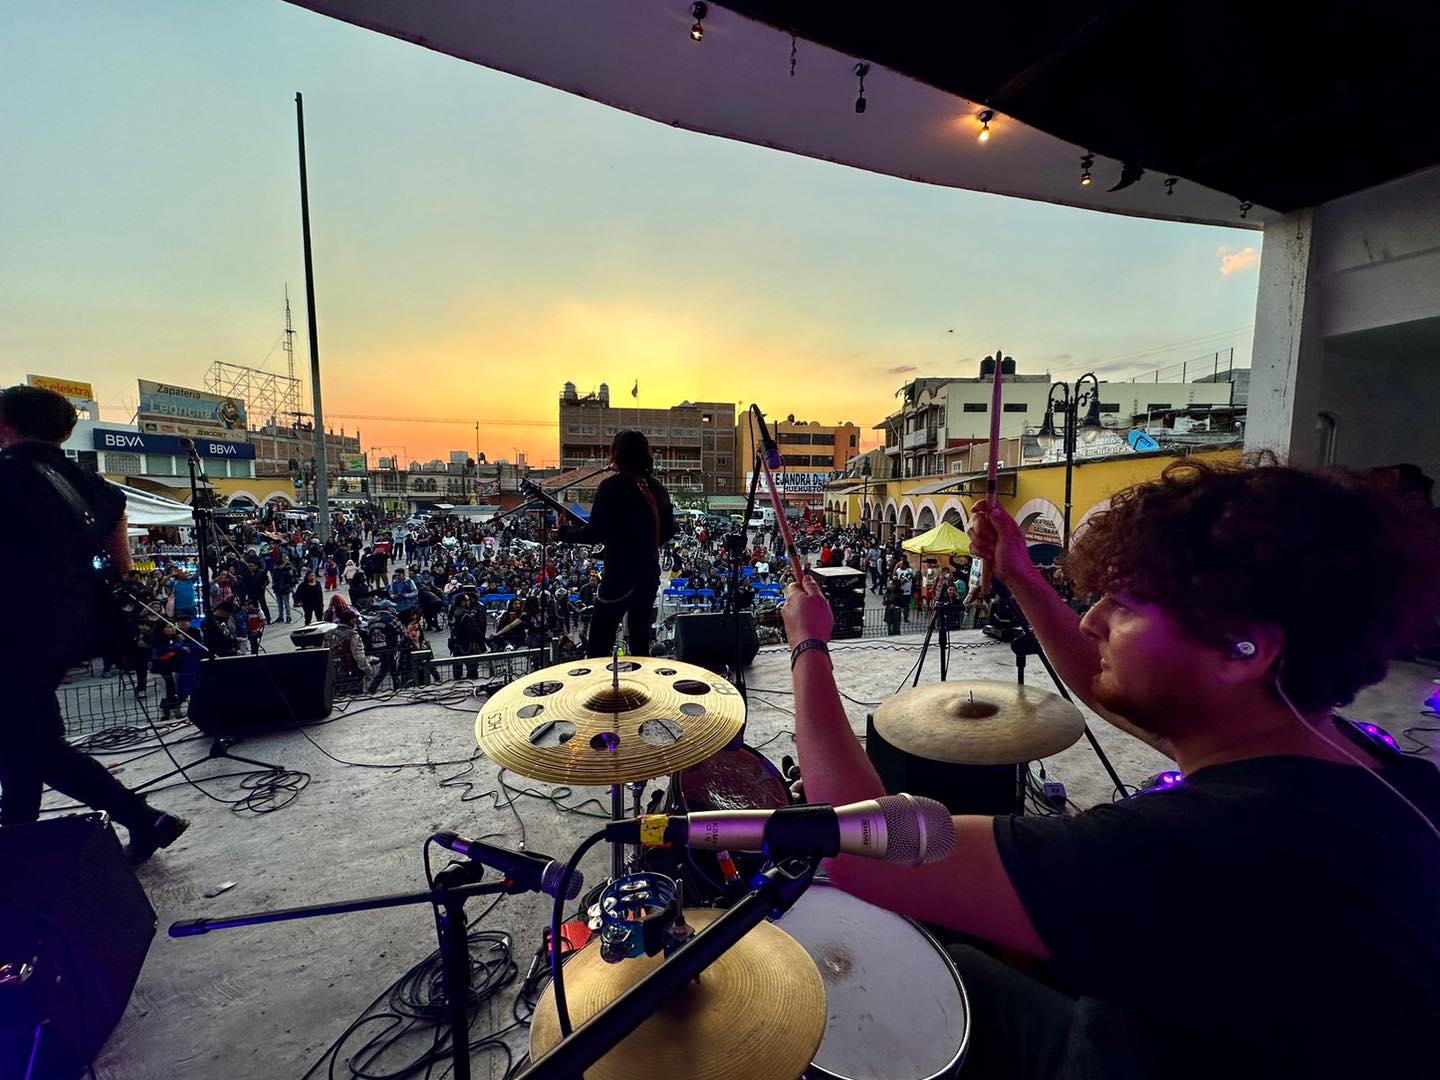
point(984, 135)
point(1085, 179)
point(697, 32)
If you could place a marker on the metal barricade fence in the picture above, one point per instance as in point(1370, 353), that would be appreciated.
point(96, 706)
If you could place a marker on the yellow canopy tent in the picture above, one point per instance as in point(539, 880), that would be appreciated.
point(943, 539)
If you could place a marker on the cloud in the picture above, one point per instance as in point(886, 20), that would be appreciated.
point(901, 369)
point(1235, 262)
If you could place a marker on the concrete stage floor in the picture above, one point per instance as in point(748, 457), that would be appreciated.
point(268, 1001)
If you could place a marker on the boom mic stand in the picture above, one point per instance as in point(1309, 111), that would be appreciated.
point(201, 514)
point(737, 548)
point(453, 886)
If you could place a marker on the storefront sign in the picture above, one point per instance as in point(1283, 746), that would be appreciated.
point(798, 483)
point(178, 410)
point(70, 388)
point(136, 443)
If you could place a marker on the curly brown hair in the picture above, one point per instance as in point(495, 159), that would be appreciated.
point(1347, 570)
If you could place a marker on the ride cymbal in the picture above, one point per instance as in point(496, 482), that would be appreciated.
point(978, 723)
point(586, 722)
point(756, 1013)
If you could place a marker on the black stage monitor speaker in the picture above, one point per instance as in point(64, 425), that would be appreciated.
point(707, 638)
point(239, 695)
point(844, 587)
point(74, 930)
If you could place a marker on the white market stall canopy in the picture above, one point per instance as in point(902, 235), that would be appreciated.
point(737, 83)
point(143, 509)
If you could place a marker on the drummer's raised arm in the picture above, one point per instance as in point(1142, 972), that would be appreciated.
point(970, 891)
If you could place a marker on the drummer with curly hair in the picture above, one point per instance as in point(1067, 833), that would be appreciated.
point(1275, 913)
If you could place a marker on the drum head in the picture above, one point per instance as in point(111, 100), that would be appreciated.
point(896, 1008)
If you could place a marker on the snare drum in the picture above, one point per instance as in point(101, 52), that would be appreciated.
point(897, 1009)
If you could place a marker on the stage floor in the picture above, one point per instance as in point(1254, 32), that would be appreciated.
point(268, 1001)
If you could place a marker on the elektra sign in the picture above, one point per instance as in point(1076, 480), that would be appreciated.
point(135, 443)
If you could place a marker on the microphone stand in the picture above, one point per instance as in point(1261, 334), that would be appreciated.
point(738, 545)
point(202, 524)
point(453, 886)
point(775, 890)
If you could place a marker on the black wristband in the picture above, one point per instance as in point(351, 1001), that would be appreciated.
point(806, 646)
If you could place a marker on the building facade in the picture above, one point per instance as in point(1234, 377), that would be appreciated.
point(693, 442)
point(813, 452)
point(941, 418)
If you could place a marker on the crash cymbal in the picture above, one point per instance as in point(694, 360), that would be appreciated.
point(757, 1013)
point(586, 723)
point(978, 723)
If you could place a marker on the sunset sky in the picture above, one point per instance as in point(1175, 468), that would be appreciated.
point(480, 240)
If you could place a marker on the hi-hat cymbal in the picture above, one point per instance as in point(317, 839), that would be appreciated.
point(757, 1013)
point(587, 723)
point(978, 723)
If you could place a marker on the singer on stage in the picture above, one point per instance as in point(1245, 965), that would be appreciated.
point(1277, 912)
point(632, 516)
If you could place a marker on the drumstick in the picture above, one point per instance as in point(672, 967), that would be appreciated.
point(992, 472)
point(796, 566)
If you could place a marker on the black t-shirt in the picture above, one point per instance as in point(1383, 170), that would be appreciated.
point(47, 553)
point(1276, 917)
point(623, 520)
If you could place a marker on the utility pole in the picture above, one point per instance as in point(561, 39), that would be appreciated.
point(322, 500)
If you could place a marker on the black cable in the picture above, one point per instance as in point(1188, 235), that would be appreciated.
point(557, 910)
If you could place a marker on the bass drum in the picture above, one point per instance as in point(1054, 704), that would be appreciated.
point(896, 1008)
point(736, 779)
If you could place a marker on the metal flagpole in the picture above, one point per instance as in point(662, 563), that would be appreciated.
point(322, 483)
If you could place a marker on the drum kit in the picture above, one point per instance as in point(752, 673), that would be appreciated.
point(836, 988)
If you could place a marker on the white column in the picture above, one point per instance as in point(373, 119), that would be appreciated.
point(1287, 352)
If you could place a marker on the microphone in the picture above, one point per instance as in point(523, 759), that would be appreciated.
point(187, 444)
point(902, 829)
point(769, 451)
point(528, 870)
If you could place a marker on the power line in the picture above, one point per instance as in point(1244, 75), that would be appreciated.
point(467, 421)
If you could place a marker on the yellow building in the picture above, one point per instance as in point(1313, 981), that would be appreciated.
point(1034, 495)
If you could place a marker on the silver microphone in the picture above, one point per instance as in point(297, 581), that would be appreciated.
point(904, 829)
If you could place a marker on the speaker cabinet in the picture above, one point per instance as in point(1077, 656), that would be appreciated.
point(75, 926)
point(707, 638)
point(239, 695)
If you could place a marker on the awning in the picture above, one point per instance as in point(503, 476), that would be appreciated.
point(739, 83)
point(937, 486)
point(848, 489)
point(726, 502)
point(943, 539)
point(144, 510)
point(173, 482)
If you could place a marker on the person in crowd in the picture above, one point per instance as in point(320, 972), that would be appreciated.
point(182, 590)
point(174, 654)
point(895, 603)
point(384, 634)
point(518, 627)
point(351, 569)
point(337, 609)
point(219, 630)
point(282, 581)
point(360, 591)
point(1298, 853)
point(347, 652)
point(332, 573)
point(54, 611)
point(253, 585)
point(310, 597)
point(404, 593)
point(632, 516)
point(412, 644)
point(467, 632)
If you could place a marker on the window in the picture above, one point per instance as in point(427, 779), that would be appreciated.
point(1110, 407)
point(852, 441)
point(1157, 406)
point(722, 481)
point(89, 460)
point(160, 465)
point(722, 461)
point(976, 406)
point(116, 462)
point(1016, 406)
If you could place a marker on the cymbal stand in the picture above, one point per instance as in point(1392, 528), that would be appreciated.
point(1024, 644)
